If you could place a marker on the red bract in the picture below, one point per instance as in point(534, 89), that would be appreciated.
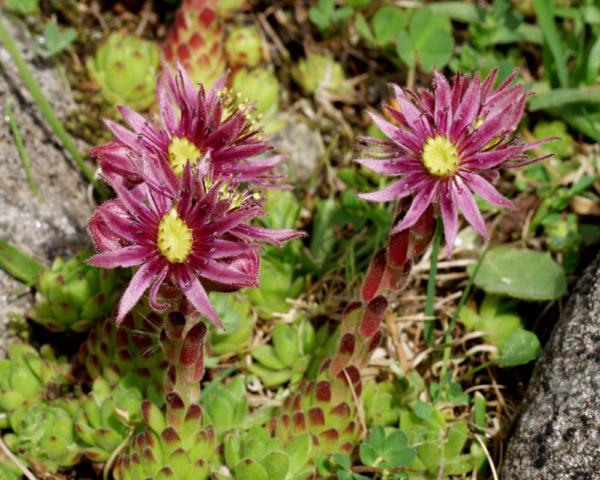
point(198, 126)
point(193, 237)
point(448, 144)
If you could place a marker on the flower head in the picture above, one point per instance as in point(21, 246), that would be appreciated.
point(197, 126)
point(194, 237)
point(448, 144)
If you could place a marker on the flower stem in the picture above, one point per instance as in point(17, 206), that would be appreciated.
point(429, 303)
point(182, 341)
point(454, 319)
point(46, 109)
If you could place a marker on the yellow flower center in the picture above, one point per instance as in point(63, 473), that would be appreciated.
point(181, 150)
point(174, 238)
point(440, 156)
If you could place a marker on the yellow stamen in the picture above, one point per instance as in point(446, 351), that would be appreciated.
point(181, 150)
point(174, 238)
point(440, 156)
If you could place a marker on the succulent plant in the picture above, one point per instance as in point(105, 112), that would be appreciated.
point(196, 41)
point(382, 402)
point(27, 376)
point(125, 67)
point(260, 87)
point(277, 285)
point(173, 444)
point(239, 324)
point(44, 435)
point(255, 455)
point(73, 295)
point(226, 406)
point(105, 417)
point(327, 407)
point(226, 8)
point(243, 46)
point(317, 72)
point(439, 444)
point(496, 318)
point(287, 357)
point(132, 348)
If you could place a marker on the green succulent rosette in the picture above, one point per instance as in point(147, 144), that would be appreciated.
point(173, 445)
point(287, 357)
point(260, 87)
point(44, 435)
point(27, 376)
point(125, 68)
point(130, 350)
point(243, 46)
point(238, 319)
point(255, 455)
point(318, 71)
point(106, 417)
point(277, 285)
point(72, 295)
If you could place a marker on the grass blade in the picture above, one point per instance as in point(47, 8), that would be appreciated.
point(14, 128)
point(18, 264)
point(545, 17)
point(562, 97)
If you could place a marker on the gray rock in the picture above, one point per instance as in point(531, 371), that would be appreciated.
point(55, 223)
point(557, 435)
point(303, 148)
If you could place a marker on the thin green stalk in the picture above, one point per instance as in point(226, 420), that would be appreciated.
point(14, 128)
point(461, 303)
point(46, 109)
point(429, 304)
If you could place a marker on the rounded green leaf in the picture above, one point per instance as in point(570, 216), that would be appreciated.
point(519, 348)
point(523, 274)
point(250, 470)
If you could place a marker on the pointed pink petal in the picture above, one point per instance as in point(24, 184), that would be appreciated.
point(139, 283)
point(400, 189)
point(153, 296)
point(468, 207)
point(393, 132)
point(195, 293)
point(422, 200)
point(127, 137)
point(124, 257)
point(392, 166)
point(449, 214)
point(466, 114)
point(487, 191)
point(168, 113)
point(443, 102)
point(274, 236)
point(223, 274)
point(136, 121)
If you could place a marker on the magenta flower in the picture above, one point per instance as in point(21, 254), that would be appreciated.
point(448, 145)
point(197, 126)
point(194, 238)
